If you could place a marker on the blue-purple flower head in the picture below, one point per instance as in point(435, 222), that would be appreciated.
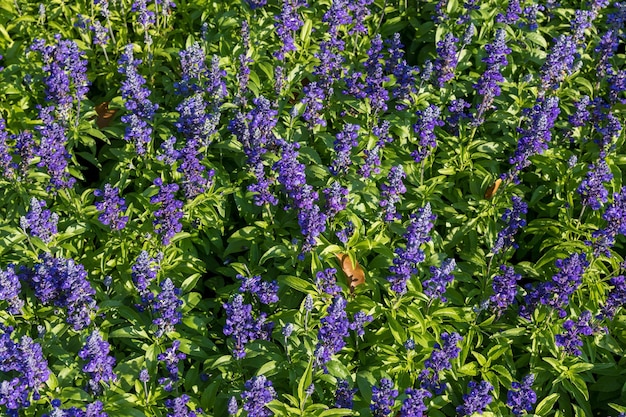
point(170, 212)
point(391, 193)
point(359, 320)
point(383, 398)
point(521, 397)
point(571, 340)
point(179, 407)
point(344, 142)
point(439, 361)
point(266, 292)
point(112, 207)
point(10, 287)
point(427, 120)
point(326, 281)
point(334, 328)
point(39, 221)
point(99, 364)
point(171, 358)
point(592, 191)
point(413, 405)
point(616, 297)
point(477, 400)
point(435, 286)
point(258, 391)
point(344, 395)
point(447, 59)
point(504, 289)
point(514, 222)
point(243, 326)
point(167, 308)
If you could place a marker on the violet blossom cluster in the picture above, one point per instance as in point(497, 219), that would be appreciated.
point(359, 320)
point(487, 84)
point(6, 160)
point(344, 395)
point(404, 74)
point(345, 140)
point(144, 271)
point(477, 400)
point(169, 214)
point(63, 283)
point(313, 100)
point(407, 259)
point(334, 328)
point(390, 194)
point(258, 391)
point(10, 287)
point(439, 361)
point(23, 371)
point(170, 358)
point(504, 289)
point(513, 11)
point(383, 398)
point(592, 191)
point(413, 405)
point(570, 340)
point(52, 152)
point(447, 59)
point(616, 297)
point(99, 364)
point(179, 407)
point(435, 286)
point(265, 291)
point(112, 207)
point(94, 409)
point(243, 327)
point(521, 397)
point(371, 165)
point(326, 282)
point(536, 135)
point(141, 109)
point(559, 62)
point(39, 221)
point(166, 307)
point(336, 199)
point(514, 222)
point(375, 77)
point(427, 120)
point(287, 24)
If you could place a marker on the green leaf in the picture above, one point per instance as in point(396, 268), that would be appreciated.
point(305, 381)
point(547, 404)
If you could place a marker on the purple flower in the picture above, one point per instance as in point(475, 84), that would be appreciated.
point(427, 120)
point(169, 214)
point(6, 161)
point(336, 199)
point(10, 287)
point(521, 397)
point(266, 292)
point(487, 84)
point(233, 407)
point(258, 392)
point(334, 328)
point(559, 62)
point(514, 221)
point(144, 271)
point(99, 365)
point(571, 341)
point(403, 73)
point(287, 24)
point(407, 259)
point(313, 102)
point(413, 405)
point(446, 61)
point(344, 142)
point(167, 308)
point(439, 361)
point(556, 293)
point(504, 289)
point(243, 327)
point(530, 16)
point(141, 109)
point(64, 283)
point(25, 149)
point(358, 321)
point(112, 207)
point(145, 17)
point(390, 194)
point(477, 400)
point(615, 299)
point(456, 114)
point(170, 358)
point(375, 78)
point(53, 156)
point(372, 156)
point(513, 11)
point(435, 286)
point(100, 33)
point(383, 398)
point(179, 407)
point(591, 189)
point(39, 222)
point(344, 395)
point(344, 234)
point(326, 281)
point(581, 114)
point(144, 375)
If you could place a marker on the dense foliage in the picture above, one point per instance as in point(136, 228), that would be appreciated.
point(343, 207)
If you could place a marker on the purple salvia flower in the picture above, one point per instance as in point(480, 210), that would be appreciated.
point(583, 20)
point(477, 400)
point(336, 199)
point(344, 234)
point(591, 189)
point(372, 156)
point(194, 121)
point(266, 292)
point(559, 62)
point(145, 17)
point(435, 286)
point(326, 282)
point(99, 365)
point(141, 109)
point(513, 11)
point(487, 84)
point(530, 16)
point(413, 405)
point(233, 407)
point(404, 74)
point(258, 392)
point(439, 361)
point(615, 299)
point(51, 150)
point(6, 161)
point(112, 207)
point(344, 395)
point(504, 289)
point(565, 282)
point(383, 398)
point(337, 15)
point(536, 135)
point(194, 70)
point(40, 222)
point(168, 216)
point(514, 221)
point(64, 283)
point(179, 408)
point(344, 142)
point(617, 85)
point(334, 328)
point(407, 259)
point(521, 397)
point(427, 120)
point(440, 14)
point(216, 84)
point(167, 307)
point(360, 12)
point(457, 113)
point(287, 23)
point(243, 327)
point(571, 341)
point(313, 102)
point(10, 287)
point(447, 59)
point(581, 114)
point(100, 33)
point(144, 271)
point(359, 320)
point(144, 375)
point(391, 194)
point(170, 358)
point(374, 90)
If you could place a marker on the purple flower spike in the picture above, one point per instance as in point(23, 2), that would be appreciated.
point(112, 207)
point(427, 120)
point(258, 392)
point(334, 328)
point(391, 194)
point(477, 400)
point(39, 222)
point(383, 398)
point(521, 397)
point(99, 364)
point(167, 308)
point(170, 213)
point(435, 286)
